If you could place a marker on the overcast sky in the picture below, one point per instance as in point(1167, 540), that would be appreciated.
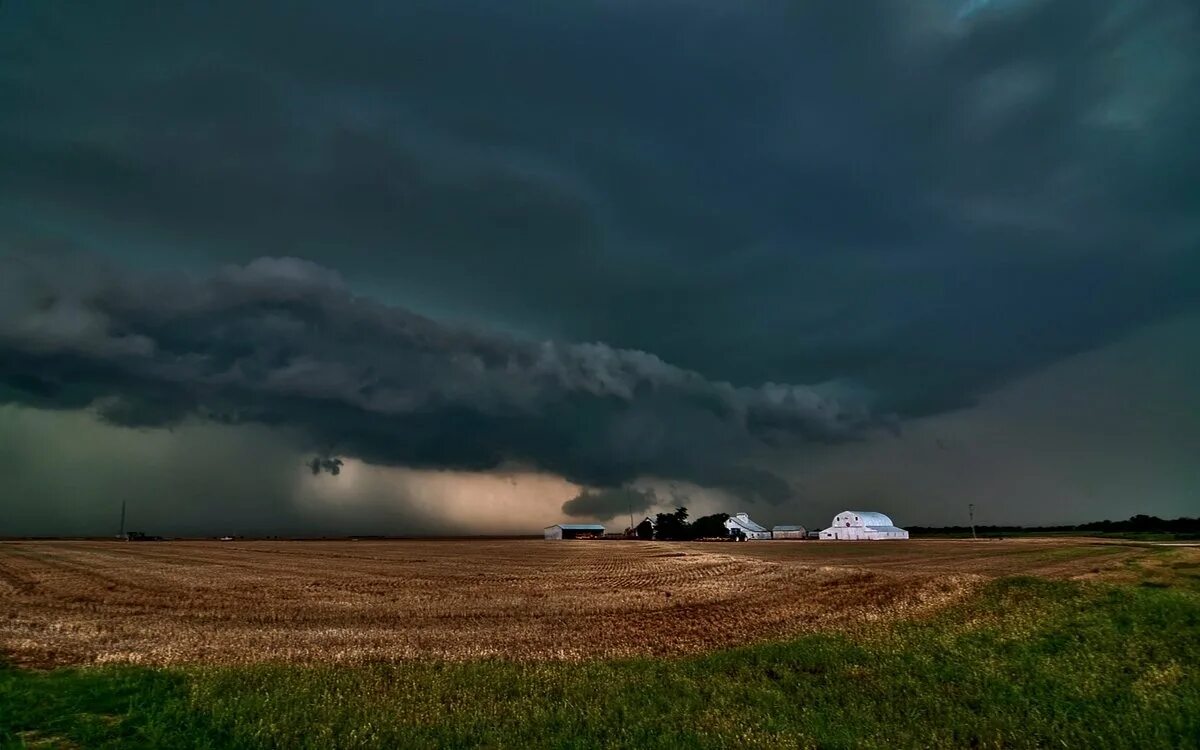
point(517, 263)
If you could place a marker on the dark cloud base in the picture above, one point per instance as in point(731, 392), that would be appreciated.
point(283, 342)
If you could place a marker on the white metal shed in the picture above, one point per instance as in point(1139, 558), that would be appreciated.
point(573, 531)
point(861, 524)
point(789, 532)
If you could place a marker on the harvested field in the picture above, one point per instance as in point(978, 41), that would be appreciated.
point(355, 602)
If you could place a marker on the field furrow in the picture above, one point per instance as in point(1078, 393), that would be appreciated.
point(353, 602)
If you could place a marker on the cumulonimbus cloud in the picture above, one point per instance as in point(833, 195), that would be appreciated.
point(285, 342)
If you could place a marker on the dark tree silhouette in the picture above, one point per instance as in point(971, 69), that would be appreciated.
point(708, 527)
point(671, 525)
point(675, 526)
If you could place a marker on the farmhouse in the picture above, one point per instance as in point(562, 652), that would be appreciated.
point(861, 524)
point(789, 532)
point(741, 525)
point(574, 531)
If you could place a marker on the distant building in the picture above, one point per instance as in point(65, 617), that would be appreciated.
point(574, 531)
point(789, 532)
point(644, 530)
point(741, 525)
point(860, 524)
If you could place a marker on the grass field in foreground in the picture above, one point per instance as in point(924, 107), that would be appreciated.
point(1025, 662)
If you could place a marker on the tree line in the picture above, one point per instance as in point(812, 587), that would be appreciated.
point(676, 527)
point(1138, 523)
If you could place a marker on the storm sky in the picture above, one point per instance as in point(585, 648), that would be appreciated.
point(518, 263)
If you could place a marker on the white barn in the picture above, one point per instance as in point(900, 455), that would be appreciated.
point(749, 529)
point(861, 524)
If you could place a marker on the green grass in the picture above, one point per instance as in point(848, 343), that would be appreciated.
point(1024, 663)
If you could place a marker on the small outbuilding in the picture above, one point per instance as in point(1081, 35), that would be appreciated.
point(574, 531)
point(644, 530)
point(789, 532)
point(741, 525)
point(861, 524)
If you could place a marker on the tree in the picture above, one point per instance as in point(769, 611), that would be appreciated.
point(671, 525)
point(707, 527)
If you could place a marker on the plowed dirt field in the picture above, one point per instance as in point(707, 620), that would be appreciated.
point(353, 602)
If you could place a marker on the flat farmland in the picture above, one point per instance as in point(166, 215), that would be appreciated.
point(370, 601)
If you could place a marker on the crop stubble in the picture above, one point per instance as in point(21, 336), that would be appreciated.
point(353, 602)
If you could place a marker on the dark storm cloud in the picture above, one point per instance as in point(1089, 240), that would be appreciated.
point(926, 196)
point(284, 342)
point(609, 503)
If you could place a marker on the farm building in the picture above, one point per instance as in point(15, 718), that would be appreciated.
point(789, 532)
point(574, 531)
point(860, 524)
point(643, 530)
point(741, 525)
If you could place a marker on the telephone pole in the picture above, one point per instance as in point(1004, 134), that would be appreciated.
point(122, 534)
point(971, 512)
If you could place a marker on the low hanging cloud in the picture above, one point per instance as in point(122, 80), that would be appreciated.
point(325, 464)
point(611, 502)
point(284, 342)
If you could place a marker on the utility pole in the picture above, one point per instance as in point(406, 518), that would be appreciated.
point(122, 534)
point(971, 512)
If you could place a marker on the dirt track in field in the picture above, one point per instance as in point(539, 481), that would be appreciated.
point(238, 602)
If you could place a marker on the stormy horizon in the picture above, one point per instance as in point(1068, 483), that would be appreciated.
point(439, 269)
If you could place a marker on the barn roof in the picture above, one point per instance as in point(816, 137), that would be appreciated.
point(743, 520)
point(788, 528)
point(578, 526)
point(883, 528)
point(869, 518)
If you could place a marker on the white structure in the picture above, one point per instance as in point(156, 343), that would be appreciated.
point(860, 524)
point(747, 528)
point(574, 531)
point(789, 532)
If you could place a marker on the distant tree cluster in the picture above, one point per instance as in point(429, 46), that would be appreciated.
point(1136, 524)
point(1146, 523)
point(675, 526)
